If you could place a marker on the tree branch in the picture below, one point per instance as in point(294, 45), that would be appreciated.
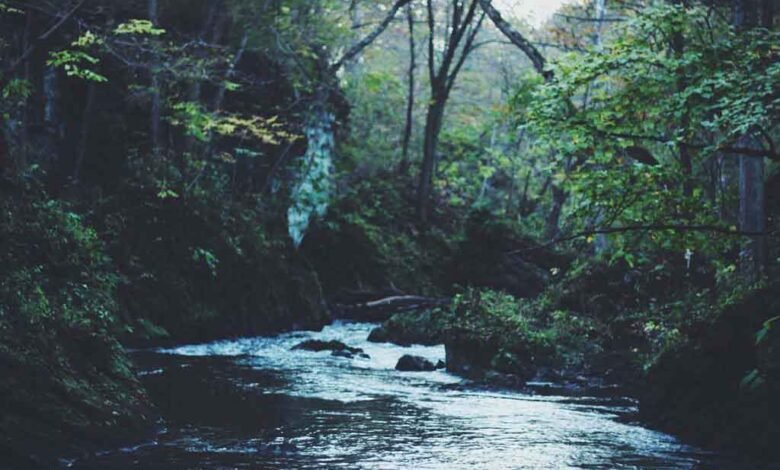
point(365, 42)
point(537, 59)
point(644, 228)
point(591, 20)
point(29, 51)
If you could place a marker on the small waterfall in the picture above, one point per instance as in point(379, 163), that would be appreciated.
point(312, 194)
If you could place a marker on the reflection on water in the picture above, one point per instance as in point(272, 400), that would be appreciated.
point(253, 403)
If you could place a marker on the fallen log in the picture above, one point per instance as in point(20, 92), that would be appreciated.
point(381, 309)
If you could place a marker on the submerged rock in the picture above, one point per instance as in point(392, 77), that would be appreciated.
point(343, 353)
point(409, 363)
point(335, 346)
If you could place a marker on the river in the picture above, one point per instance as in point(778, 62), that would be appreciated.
point(254, 403)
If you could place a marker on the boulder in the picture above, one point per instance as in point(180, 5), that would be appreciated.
point(409, 363)
point(379, 334)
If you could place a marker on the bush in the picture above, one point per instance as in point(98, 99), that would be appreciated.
point(198, 269)
point(66, 378)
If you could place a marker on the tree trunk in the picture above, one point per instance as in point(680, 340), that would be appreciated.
point(155, 115)
point(404, 167)
point(433, 124)
point(752, 197)
point(678, 48)
point(22, 152)
point(559, 197)
point(752, 213)
point(220, 98)
point(208, 33)
point(86, 121)
point(463, 29)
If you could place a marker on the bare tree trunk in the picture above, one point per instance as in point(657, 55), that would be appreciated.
point(404, 167)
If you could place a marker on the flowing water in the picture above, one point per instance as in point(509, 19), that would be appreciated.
point(253, 403)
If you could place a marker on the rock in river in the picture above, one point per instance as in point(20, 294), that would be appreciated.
point(410, 363)
point(317, 346)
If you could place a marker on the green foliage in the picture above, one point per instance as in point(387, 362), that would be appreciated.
point(77, 61)
point(207, 257)
point(197, 268)
point(369, 240)
point(139, 27)
point(63, 371)
point(55, 270)
point(633, 91)
point(17, 89)
point(762, 334)
point(202, 124)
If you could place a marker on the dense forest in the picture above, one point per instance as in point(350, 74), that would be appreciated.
point(587, 200)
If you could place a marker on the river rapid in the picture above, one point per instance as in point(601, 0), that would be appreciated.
point(254, 403)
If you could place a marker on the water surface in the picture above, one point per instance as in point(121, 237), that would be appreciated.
point(253, 403)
